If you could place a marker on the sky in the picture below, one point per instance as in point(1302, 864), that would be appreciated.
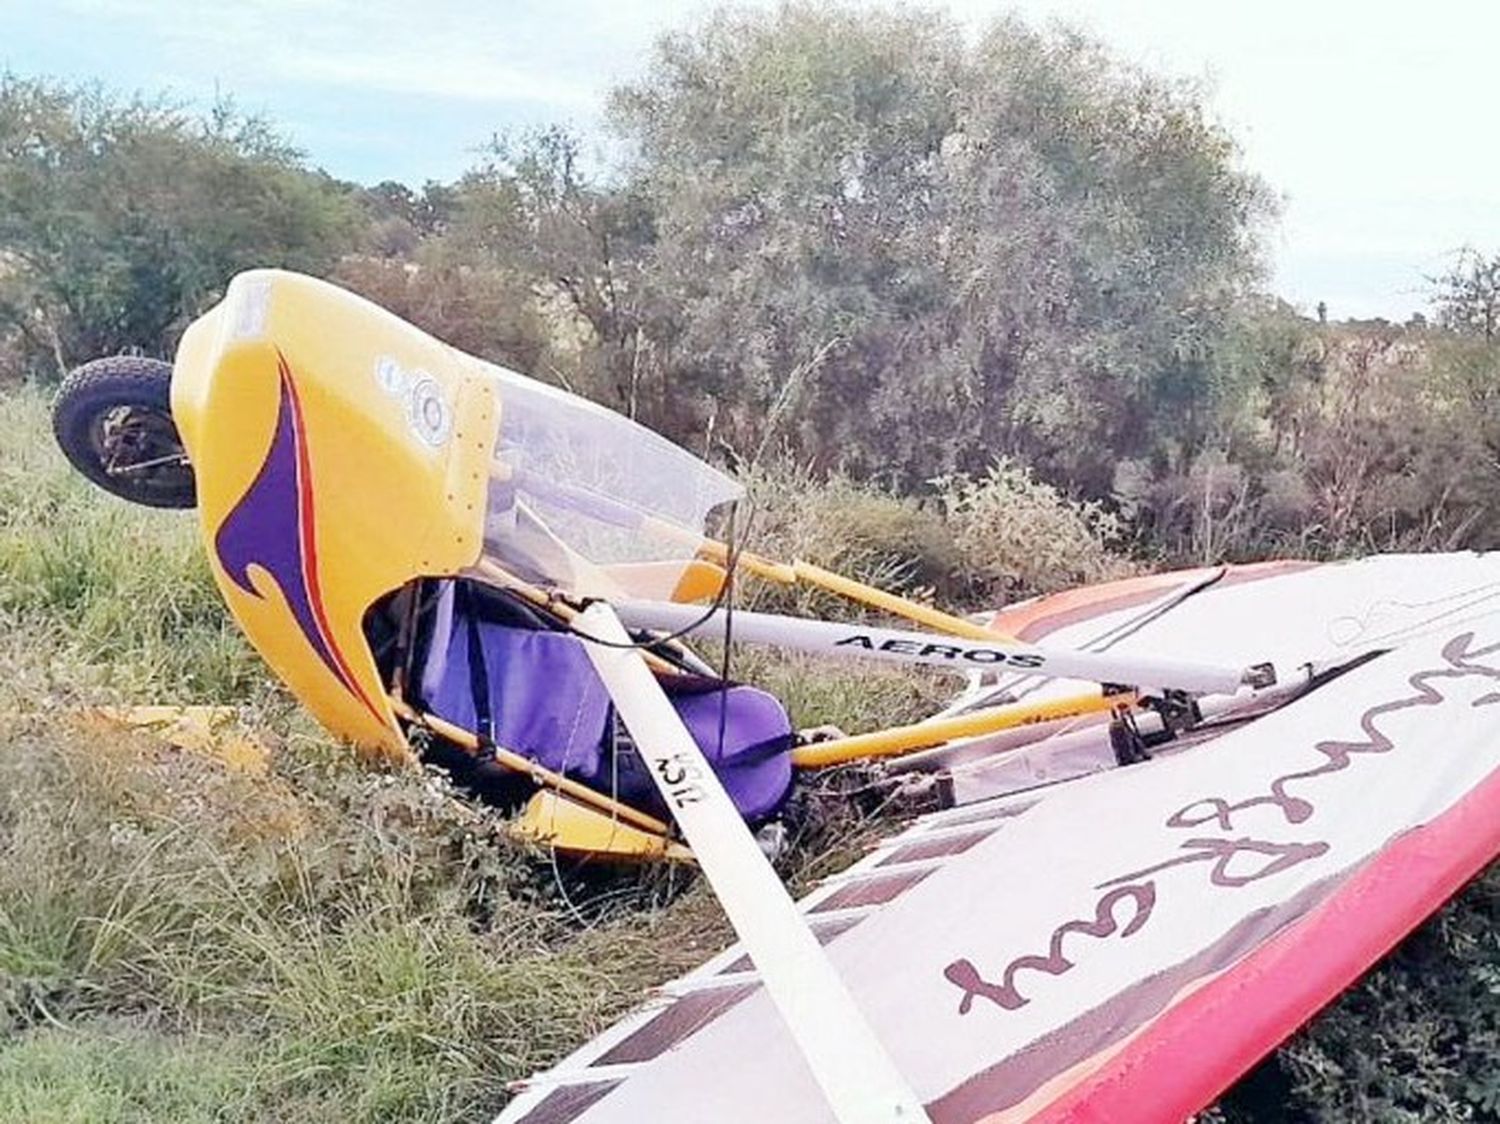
point(1371, 120)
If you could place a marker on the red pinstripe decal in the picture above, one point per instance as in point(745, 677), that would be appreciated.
point(306, 526)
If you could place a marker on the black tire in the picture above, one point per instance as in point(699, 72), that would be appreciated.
point(113, 419)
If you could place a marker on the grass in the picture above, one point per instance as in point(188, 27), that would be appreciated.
point(358, 944)
point(178, 942)
point(106, 597)
point(182, 943)
point(327, 943)
point(120, 1072)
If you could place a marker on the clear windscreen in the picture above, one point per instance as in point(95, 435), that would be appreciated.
point(588, 501)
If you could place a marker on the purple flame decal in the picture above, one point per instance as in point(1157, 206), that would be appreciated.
point(272, 527)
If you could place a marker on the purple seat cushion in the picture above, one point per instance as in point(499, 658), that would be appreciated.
point(548, 704)
point(545, 700)
point(755, 761)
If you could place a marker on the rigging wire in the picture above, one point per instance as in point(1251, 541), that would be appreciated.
point(725, 592)
point(1365, 623)
point(1023, 685)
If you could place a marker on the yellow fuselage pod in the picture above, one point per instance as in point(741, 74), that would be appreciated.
point(340, 453)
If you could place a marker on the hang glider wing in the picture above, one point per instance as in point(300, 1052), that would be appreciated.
point(1123, 946)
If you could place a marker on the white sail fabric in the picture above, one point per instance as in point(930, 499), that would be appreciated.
point(1132, 940)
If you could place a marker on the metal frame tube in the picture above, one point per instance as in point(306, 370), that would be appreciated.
point(923, 735)
point(935, 650)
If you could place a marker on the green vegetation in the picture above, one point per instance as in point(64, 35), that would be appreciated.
point(179, 942)
point(974, 318)
point(182, 942)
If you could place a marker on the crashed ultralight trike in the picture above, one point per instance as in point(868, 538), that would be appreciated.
point(448, 561)
point(410, 537)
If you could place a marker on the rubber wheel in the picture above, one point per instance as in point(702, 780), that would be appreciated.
point(113, 419)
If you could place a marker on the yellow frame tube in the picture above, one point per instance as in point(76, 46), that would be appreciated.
point(542, 775)
point(921, 735)
point(806, 572)
point(778, 572)
point(891, 603)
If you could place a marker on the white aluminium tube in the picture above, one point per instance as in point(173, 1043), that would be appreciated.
point(957, 652)
point(856, 1075)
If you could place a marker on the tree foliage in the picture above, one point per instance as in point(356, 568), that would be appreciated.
point(120, 220)
point(1330, 440)
point(1468, 295)
point(896, 250)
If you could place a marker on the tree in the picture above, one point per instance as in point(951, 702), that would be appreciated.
point(1468, 295)
point(533, 208)
point(121, 220)
point(1467, 358)
point(892, 249)
point(448, 260)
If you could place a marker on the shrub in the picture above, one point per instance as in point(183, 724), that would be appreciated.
point(856, 528)
point(1018, 535)
point(1416, 1041)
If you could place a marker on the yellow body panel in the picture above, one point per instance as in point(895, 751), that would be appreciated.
point(212, 731)
point(340, 452)
point(555, 821)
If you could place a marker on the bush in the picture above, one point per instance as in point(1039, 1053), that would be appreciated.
point(974, 540)
point(856, 528)
point(1415, 1041)
point(1018, 535)
point(484, 311)
point(1363, 439)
